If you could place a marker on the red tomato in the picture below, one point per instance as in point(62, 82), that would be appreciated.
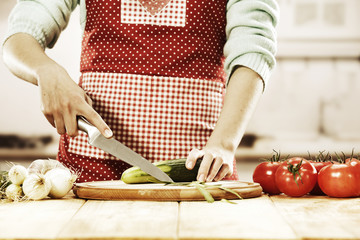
point(341, 179)
point(318, 166)
point(296, 177)
point(351, 159)
point(264, 174)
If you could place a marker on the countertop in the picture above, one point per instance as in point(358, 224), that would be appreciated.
point(265, 217)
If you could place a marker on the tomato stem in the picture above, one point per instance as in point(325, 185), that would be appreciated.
point(321, 157)
point(352, 154)
point(276, 157)
point(340, 159)
point(294, 169)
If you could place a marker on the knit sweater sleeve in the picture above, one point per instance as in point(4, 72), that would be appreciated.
point(251, 36)
point(42, 19)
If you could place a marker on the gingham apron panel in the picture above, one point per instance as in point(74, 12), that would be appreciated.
point(159, 117)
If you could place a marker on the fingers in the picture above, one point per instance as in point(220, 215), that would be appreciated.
point(214, 170)
point(213, 166)
point(64, 123)
point(225, 171)
point(59, 124)
point(193, 156)
point(71, 124)
point(219, 169)
point(55, 119)
point(88, 100)
point(205, 167)
point(49, 117)
point(94, 118)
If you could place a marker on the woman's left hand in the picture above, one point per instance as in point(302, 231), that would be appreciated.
point(216, 163)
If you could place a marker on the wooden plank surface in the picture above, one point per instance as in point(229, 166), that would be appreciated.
point(254, 218)
point(118, 190)
point(321, 217)
point(36, 219)
point(123, 220)
point(275, 217)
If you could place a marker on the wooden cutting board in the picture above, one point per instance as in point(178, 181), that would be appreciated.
point(118, 190)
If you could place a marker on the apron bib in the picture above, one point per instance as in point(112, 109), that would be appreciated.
point(154, 70)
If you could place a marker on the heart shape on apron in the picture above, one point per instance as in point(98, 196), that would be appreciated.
point(154, 6)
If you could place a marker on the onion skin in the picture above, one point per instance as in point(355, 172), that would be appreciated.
point(36, 187)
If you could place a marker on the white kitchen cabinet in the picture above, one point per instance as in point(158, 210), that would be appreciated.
point(319, 28)
point(309, 105)
point(289, 109)
point(341, 107)
point(319, 19)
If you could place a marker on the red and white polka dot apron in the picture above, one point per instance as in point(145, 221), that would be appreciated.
point(154, 70)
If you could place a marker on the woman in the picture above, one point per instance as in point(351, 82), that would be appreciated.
point(153, 75)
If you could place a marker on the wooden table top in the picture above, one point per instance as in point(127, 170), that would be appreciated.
point(276, 217)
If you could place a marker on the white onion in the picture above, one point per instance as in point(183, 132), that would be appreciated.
point(14, 192)
point(62, 181)
point(17, 174)
point(36, 186)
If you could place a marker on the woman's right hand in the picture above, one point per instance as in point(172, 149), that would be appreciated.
point(63, 100)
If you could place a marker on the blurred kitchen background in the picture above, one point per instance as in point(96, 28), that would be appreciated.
point(311, 103)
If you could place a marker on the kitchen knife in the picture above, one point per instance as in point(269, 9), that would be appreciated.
point(119, 150)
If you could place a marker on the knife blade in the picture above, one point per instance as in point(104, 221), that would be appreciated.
point(119, 150)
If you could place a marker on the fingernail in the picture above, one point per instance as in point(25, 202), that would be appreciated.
point(108, 133)
point(202, 178)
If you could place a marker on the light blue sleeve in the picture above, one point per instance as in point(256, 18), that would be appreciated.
point(42, 19)
point(251, 36)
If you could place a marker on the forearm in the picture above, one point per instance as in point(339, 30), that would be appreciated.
point(243, 92)
point(25, 58)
